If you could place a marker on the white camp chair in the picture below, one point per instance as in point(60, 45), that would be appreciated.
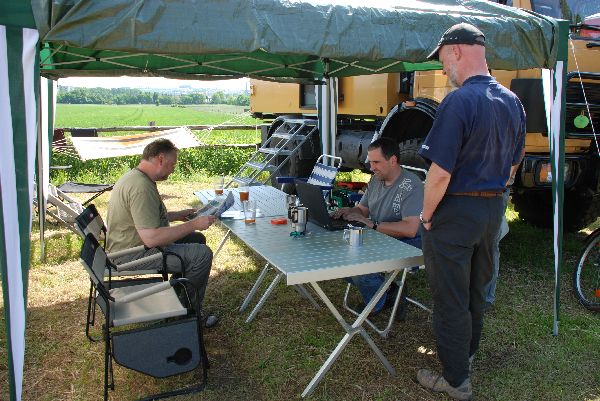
point(323, 173)
point(149, 343)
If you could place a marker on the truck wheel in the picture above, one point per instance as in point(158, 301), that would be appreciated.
point(409, 155)
point(579, 211)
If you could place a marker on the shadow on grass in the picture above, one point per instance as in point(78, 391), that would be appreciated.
point(276, 355)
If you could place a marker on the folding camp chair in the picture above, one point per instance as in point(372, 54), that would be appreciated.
point(89, 222)
point(323, 174)
point(400, 298)
point(64, 208)
point(80, 188)
point(160, 337)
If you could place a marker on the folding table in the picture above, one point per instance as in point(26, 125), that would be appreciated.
point(271, 202)
point(324, 255)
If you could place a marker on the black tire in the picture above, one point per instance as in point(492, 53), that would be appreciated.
point(409, 155)
point(579, 211)
point(586, 277)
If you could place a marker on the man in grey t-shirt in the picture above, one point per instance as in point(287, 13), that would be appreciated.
point(391, 205)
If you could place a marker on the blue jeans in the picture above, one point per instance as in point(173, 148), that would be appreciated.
point(368, 284)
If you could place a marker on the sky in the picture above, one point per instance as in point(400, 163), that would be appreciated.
point(159, 83)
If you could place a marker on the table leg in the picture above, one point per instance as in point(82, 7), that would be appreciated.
point(255, 287)
point(351, 330)
point(304, 292)
point(263, 299)
point(215, 253)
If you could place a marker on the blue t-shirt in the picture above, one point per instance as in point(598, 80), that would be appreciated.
point(477, 135)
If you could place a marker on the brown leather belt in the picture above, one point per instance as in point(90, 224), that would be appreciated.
point(483, 194)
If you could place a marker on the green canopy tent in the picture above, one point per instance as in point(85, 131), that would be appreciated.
point(268, 39)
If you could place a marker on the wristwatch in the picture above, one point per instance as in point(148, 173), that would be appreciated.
point(375, 224)
point(423, 221)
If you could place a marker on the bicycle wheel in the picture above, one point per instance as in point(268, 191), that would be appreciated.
point(586, 278)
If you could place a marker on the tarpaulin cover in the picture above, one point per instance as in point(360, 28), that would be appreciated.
point(90, 148)
point(278, 39)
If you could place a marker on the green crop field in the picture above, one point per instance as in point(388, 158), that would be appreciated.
point(92, 115)
point(194, 163)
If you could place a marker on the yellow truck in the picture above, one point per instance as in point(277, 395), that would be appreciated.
point(403, 105)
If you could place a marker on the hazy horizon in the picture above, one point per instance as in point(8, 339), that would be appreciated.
point(240, 84)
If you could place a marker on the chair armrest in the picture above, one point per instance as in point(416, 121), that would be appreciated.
point(124, 252)
point(137, 262)
point(145, 292)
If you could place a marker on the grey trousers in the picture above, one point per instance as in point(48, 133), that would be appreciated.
point(458, 252)
point(197, 260)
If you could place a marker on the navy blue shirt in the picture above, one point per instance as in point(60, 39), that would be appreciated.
point(477, 135)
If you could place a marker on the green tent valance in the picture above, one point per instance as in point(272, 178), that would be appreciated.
point(275, 39)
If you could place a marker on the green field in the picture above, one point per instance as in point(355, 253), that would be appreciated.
point(195, 163)
point(92, 115)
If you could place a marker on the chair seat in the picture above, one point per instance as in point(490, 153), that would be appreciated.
point(128, 273)
point(156, 306)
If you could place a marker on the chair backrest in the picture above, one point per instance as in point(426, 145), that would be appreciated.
point(68, 208)
point(90, 222)
point(323, 174)
point(94, 260)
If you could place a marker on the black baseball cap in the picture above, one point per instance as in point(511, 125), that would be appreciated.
point(459, 34)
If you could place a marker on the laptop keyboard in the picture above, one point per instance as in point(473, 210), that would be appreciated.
point(341, 223)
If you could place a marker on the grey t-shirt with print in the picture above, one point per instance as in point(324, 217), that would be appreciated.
point(404, 198)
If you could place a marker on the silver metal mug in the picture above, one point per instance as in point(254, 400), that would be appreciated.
point(299, 218)
point(353, 235)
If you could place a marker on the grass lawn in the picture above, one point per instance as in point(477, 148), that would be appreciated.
point(275, 356)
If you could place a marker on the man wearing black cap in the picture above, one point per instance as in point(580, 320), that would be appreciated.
point(475, 145)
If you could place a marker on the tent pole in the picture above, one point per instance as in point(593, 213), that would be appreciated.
point(557, 153)
point(40, 175)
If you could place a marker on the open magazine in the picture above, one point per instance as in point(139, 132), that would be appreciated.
point(215, 207)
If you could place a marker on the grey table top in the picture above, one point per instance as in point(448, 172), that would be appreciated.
point(321, 254)
point(269, 200)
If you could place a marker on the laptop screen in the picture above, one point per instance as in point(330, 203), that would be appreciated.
point(311, 196)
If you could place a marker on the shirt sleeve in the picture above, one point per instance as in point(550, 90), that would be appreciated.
point(413, 201)
point(145, 208)
point(521, 137)
point(444, 141)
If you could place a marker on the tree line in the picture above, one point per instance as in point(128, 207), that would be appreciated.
point(137, 96)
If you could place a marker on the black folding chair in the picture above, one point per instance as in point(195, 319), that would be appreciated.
point(158, 336)
point(90, 222)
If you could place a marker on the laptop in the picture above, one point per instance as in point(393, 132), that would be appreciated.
point(311, 196)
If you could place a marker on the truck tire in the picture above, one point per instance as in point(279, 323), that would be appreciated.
point(409, 155)
point(579, 211)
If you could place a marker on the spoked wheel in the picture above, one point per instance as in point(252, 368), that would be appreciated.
point(586, 278)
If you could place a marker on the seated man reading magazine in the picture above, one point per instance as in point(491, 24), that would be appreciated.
point(137, 216)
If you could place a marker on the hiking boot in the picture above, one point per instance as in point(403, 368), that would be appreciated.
point(436, 382)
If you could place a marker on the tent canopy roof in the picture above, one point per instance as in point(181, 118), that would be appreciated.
point(275, 38)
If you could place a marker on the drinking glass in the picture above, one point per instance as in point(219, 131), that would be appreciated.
point(249, 211)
